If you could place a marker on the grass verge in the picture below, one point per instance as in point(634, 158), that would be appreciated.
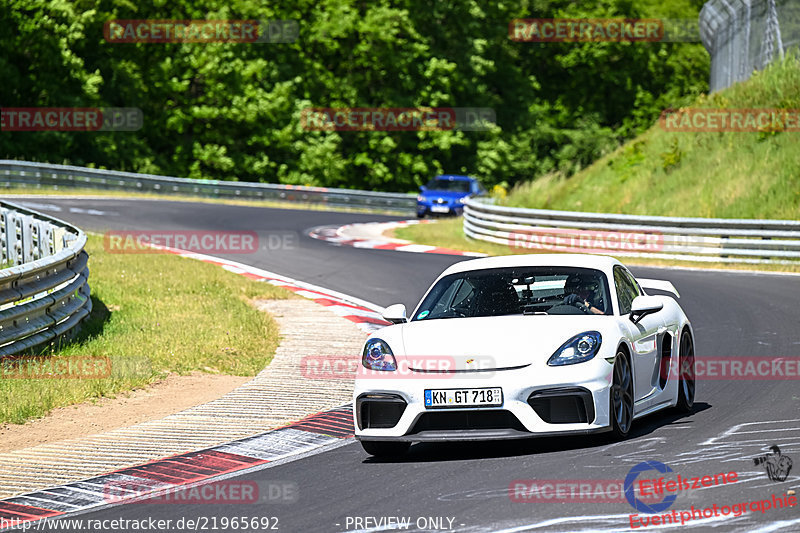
point(153, 314)
point(449, 233)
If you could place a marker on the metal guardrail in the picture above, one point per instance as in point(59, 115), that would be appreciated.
point(47, 175)
point(690, 239)
point(44, 290)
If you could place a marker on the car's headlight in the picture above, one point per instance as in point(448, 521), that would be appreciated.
point(578, 349)
point(461, 200)
point(420, 198)
point(378, 356)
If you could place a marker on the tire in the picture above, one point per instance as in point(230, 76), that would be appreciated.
point(385, 449)
point(420, 215)
point(686, 381)
point(621, 397)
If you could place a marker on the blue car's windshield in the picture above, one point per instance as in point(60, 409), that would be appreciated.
point(448, 185)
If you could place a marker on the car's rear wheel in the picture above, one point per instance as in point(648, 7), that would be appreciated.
point(385, 449)
point(621, 396)
point(686, 382)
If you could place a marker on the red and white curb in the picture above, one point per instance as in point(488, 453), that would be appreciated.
point(366, 315)
point(371, 235)
point(151, 479)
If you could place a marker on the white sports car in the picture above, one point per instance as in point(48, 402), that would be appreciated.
point(520, 346)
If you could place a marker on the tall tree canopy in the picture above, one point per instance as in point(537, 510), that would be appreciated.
point(233, 110)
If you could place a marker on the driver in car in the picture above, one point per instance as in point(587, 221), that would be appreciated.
point(581, 291)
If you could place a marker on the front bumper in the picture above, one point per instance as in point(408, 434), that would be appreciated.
point(536, 402)
point(425, 208)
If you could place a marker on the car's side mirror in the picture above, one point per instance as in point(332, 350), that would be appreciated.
point(396, 314)
point(422, 188)
point(643, 306)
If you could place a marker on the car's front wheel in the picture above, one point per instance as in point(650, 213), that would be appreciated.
point(686, 383)
point(621, 397)
point(385, 449)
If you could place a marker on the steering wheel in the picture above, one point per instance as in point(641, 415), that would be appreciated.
point(580, 305)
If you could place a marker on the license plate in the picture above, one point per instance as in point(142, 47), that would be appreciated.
point(463, 397)
point(440, 209)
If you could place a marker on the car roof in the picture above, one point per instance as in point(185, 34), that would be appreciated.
point(604, 263)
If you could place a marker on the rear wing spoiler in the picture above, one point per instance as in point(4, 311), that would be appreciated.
point(659, 285)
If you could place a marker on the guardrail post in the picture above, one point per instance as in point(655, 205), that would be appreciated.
point(59, 239)
point(13, 238)
point(27, 239)
point(4, 253)
point(45, 239)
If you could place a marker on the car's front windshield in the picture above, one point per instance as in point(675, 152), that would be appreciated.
point(448, 185)
point(517, 290)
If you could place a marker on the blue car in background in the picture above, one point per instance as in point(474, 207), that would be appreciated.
point(445, 195)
